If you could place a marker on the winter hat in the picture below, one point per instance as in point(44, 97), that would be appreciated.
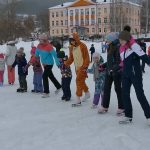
point(1, 55)
point(125, 35)
point(96, 55)
point(111, 37)
point(61, 54)
point(20, 50)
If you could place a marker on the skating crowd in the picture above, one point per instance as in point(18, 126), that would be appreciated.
point(125, 66)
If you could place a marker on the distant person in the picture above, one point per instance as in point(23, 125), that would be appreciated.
point(2, 68)
point(92, 50)
point(10, 58)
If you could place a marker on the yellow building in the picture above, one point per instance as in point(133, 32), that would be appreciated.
point(89, 18)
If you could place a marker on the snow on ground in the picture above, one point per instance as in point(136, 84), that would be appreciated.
point(28, 122)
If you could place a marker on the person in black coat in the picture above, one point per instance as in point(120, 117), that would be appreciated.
point(132, 75)
point(113, 74)
point(92, 50)
point(21, 61)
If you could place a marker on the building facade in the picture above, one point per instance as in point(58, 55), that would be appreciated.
point(93, 18)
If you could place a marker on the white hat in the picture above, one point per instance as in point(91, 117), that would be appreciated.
point(96, 55)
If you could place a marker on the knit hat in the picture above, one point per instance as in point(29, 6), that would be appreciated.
point(125, 35)
point(20, 50)
point(1, 55)
point(111, 37)
point(96, 55)
point(61, 54)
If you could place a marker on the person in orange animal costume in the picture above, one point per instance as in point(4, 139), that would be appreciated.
point(80, 56)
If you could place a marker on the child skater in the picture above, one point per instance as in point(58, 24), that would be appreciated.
point(2, 68)
point(99, 78)
point(21, 61)
point(38, 71)
point(66, 76)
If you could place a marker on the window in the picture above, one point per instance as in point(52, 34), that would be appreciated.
point(87, 30)
point(53, 15)
point(57, 31)
point(52, 23)
point(100, 30)
point(61, 13)
point(105, 20)
point(105, 10)
point(126, 10)
point(66, 12)
point(87, 11)
point(71, 12)
point(105, 30)
point(99, 20)
point(66, 22)
point(57, 14)
point(93, 11)
point(82, 21)
point(66, 30)
point(71, 22)
point(77, 11)
point(53, 32)
point(82, 11)
point(62, 22)
point(57, 23)
point(99, 11)
point(87, 21)
point(76, 22)
point(92, 21)
point(62, 31)
point(93, 30)
point(71, 30)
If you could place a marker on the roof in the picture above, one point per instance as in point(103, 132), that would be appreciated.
point(87, 2)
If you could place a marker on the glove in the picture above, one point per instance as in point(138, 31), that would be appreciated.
point(101, 68)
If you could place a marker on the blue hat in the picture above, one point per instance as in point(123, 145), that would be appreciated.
point(111, 36)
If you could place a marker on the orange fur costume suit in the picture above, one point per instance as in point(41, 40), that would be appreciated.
point(80, 56)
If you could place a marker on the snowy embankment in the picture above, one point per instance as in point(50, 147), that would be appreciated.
point(28, 122)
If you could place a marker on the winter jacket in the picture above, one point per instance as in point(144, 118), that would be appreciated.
point(131, 56)
point(79, 54)
point(47, 54)
point(143, 46)
point(65, 70)
point(2, 64)
point(21, 62)
point(35, 62)
point(113, 59)
point(10, 54)
point(92, 49)
point(95, 69)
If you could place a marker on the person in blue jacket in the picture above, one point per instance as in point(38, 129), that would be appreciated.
point(47, 55)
